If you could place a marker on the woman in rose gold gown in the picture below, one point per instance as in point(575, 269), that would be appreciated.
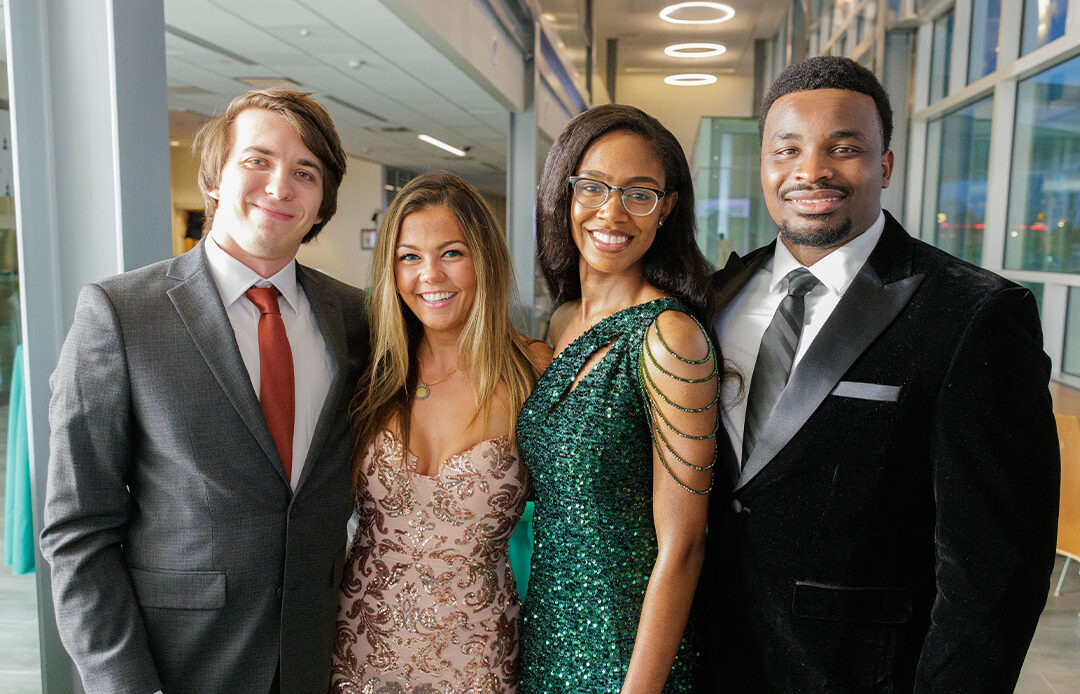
point(428, 602)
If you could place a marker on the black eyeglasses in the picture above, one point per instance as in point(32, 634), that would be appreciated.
point(637, 200)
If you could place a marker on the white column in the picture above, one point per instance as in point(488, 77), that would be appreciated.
point(90, 149)
point(896, 78)
point(521, 180)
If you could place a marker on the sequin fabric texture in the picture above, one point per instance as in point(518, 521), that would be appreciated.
point(428, 603)
point(589, 452)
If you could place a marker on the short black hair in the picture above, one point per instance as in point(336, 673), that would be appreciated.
point(829, 72)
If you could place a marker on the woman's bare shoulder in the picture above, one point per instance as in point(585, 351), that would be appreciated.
point(559, 321)
point(540, 354)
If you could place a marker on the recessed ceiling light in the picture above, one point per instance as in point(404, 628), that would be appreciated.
point(442, 145)
point(725, 12)
point(694, 50)
point(174, 143)
point(689, 79)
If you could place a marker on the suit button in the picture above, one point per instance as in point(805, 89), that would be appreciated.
point(280, 592)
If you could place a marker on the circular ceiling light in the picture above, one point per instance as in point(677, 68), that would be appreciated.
point(726, 12)
point(694, 50)
point(690, 79)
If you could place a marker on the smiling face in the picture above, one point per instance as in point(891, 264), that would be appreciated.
point(269, 194)
point(434, 270)
point(609, 239)
point(822, 167)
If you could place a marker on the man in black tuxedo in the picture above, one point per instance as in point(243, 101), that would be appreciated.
point(894, 458)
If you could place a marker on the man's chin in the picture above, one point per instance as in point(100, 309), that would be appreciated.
point(820, 235)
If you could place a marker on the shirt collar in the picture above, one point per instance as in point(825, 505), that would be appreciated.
point(233, 278)
point(837, 269)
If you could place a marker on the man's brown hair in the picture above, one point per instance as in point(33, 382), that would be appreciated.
point(306, 116)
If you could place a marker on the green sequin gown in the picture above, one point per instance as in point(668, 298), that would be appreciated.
point(589, 452)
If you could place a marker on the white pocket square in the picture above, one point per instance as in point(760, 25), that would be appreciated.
point(867, 391)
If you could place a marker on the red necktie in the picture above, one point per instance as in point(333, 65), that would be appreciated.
point(276, 390)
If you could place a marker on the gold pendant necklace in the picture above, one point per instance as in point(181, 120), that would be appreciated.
point(423, 390)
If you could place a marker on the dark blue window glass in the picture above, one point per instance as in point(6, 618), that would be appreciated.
point(1043, 224)
point(957, 161)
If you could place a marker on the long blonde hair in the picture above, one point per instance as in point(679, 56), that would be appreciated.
point(386, 386)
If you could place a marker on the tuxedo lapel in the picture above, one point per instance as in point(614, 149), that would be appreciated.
point(729, 280)
point(331, 321)
point(195, 297)
point(880, 290)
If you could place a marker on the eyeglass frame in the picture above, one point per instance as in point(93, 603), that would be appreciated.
point(660, 195)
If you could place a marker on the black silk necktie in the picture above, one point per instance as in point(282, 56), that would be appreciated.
point(774, 359)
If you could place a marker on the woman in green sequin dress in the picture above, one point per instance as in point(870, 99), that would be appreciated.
point(619, 434)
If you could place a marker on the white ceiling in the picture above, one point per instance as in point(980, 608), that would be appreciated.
point(373, 73)
point(383, 84)
point(642, 35)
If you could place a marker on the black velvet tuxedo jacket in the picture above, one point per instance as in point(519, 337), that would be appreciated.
point(894, 529)
point(181, 559)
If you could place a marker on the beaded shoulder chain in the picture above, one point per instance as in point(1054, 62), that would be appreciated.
point(656, 415)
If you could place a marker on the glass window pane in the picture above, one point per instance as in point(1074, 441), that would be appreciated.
point(1071, 362)
point(18, 588)
point(1036, 289)
point(1044, 21)
point(985, 18)
point(1043, 226)
point(780, 50)
point(941, 56)
point(867, 60)
point(841, 12)
point(867, 22)
point(957, 160)
point(730, 207)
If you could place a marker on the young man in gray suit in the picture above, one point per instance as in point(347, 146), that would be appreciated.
point(199, 477)
point(895, 462)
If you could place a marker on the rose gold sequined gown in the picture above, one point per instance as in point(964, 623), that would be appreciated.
point(428, 604)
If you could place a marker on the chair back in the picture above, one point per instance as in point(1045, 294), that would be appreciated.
point(1068, 539)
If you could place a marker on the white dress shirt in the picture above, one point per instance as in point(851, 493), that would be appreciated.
point(743, 321)
point(311, 360)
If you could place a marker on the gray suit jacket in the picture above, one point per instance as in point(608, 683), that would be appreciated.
point(181, 560)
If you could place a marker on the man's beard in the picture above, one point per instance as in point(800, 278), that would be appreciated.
point(819, 237)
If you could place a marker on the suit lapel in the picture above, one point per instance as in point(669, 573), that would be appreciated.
point(737, 271)
point(195, 297)
point(331, 321)
point(876, 296)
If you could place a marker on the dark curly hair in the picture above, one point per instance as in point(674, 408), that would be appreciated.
point(829, 72)
point(673, 264)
